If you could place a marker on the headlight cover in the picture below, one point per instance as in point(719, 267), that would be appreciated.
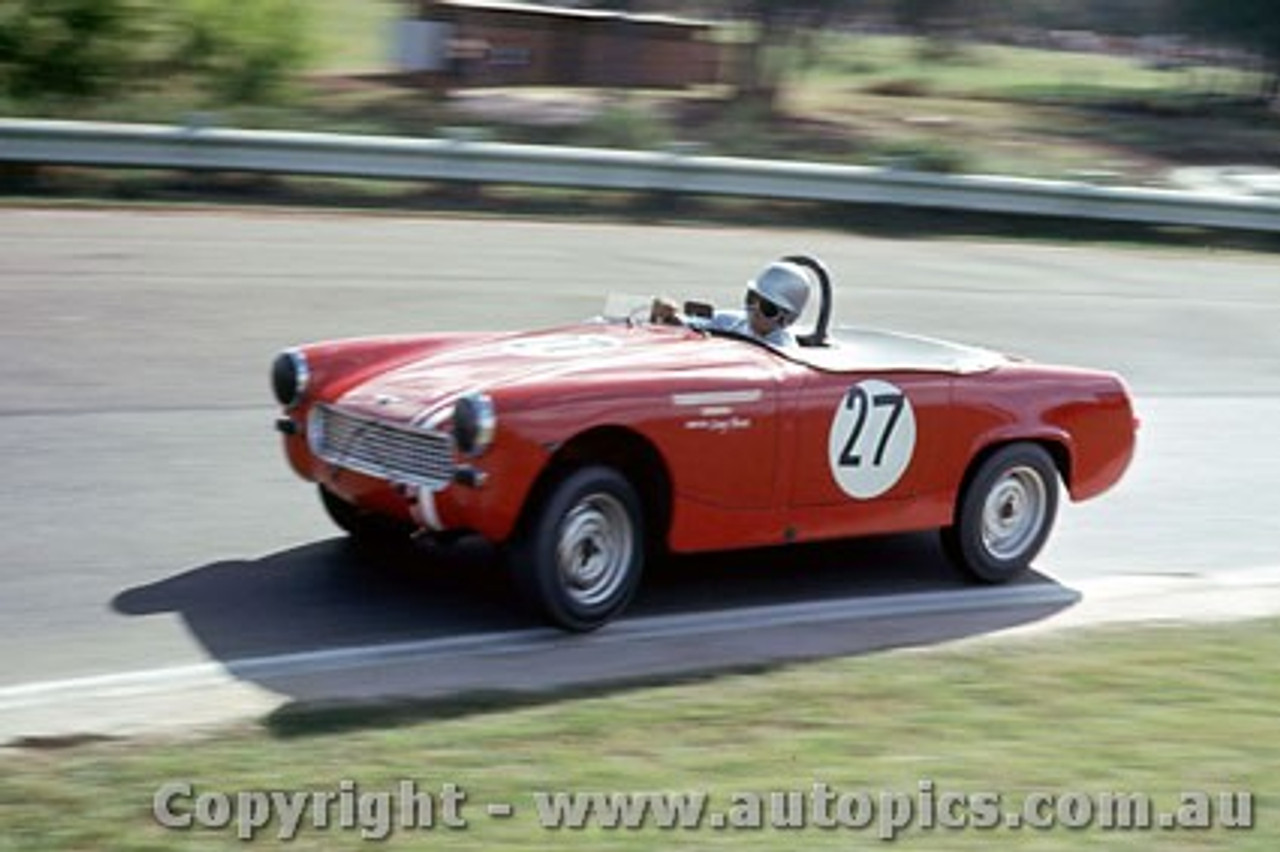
point(290, 376)
point(474, 422)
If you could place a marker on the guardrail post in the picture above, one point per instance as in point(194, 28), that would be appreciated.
point(461, 192)
point(671, 198)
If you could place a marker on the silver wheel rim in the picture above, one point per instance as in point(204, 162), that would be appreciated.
point(1014, 512)
point(595, 549)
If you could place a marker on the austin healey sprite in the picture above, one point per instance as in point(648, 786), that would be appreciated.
point(583, 450)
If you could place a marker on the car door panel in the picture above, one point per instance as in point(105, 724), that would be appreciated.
point(865, 448)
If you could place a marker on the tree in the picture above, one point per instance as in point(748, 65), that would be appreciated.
point(243, 52)
point(937, 21)
point(1253, 25)
point(237, 51)
point(1114, 17)
point(777, 25)
point(67, 47)
point(926, 16)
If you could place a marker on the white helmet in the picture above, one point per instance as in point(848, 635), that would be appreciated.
point(785, 284)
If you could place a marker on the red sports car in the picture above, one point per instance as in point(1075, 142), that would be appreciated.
point(585, 448)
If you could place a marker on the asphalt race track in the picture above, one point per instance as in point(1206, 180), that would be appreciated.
point(150, 522)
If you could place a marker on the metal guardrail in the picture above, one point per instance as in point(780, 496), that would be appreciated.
point(207, 149)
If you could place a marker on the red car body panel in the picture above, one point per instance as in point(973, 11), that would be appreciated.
point(758, 447)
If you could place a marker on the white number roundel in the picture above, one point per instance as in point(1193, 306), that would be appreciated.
point(872, 438)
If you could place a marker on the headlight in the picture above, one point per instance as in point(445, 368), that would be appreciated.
point(289, 377)
point(474, 422)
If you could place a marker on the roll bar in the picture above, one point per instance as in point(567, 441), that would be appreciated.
point(817, 337)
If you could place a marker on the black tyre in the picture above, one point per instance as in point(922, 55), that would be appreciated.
point(363, 527)
point(580, 554)
point(1005, 514)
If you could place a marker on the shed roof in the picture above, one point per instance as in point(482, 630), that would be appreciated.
point(570, 12)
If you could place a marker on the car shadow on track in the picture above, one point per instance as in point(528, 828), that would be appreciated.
point(323, 597)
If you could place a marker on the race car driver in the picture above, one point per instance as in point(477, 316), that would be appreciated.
point(774, 300)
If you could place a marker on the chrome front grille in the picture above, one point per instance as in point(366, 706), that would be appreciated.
point(387, 451)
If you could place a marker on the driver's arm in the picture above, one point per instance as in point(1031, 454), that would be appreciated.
point(664, 311)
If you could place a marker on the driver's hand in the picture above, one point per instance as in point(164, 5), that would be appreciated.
point(664, 311)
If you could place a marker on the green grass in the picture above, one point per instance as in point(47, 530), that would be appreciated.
point(1021, 111)
point(1157, 710)
point(999, 72)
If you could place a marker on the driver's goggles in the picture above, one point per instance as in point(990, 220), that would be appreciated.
point(766, 308)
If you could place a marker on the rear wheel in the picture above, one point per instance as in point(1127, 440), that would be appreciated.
point(1005, 513)
point(580, 555)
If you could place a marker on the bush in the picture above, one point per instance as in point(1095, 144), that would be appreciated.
point(923, 156)
point(244, 52)
point(899, 87)
point(239, 52)
point(741, 129)
point(78, 48)
point(623, 125)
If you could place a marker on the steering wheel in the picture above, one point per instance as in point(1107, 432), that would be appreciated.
point(817, 337)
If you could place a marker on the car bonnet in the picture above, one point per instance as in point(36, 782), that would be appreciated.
point(606, 354)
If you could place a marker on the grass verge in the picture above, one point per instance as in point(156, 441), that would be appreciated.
point(1156, 710)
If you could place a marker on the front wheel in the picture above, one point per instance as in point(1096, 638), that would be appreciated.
point(580, 555)
point(365, 528)
point(1005, 514)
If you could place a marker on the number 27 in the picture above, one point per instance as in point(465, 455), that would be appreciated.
point(860, 402)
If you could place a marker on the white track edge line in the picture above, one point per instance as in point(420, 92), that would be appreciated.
point(172, 678)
